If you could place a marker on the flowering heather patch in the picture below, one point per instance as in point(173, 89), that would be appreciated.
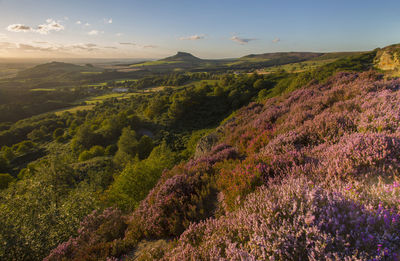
point(294, 220)
point(381, 113)
point(358, 153)
point(218, 153)
point(171, 206)
point(236, 180)
point(187, 196)
point(95, 232)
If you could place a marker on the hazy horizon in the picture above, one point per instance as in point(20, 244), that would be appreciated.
point(133, 59)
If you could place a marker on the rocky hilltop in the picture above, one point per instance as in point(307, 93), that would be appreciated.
point(388, 58)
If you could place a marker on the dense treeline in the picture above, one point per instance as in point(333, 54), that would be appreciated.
point(16, 104)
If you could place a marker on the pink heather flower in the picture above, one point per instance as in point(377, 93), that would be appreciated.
point(349, 187)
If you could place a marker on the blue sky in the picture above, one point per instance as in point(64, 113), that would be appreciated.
point(209, 29)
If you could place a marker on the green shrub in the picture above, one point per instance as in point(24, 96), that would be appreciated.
point(58, 133)
point(95, 151)
point(137, 178)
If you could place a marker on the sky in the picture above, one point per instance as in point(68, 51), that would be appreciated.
point(207, 28)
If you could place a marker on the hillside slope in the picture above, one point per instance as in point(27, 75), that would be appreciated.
point(313, 175)
point(56, 69)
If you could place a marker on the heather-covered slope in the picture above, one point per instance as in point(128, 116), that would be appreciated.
point(313, 175)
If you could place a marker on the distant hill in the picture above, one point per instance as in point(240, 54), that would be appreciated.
point(183, 57)
point(180, 60)
point(183, 60)
point(280, 55)
point(57, 69)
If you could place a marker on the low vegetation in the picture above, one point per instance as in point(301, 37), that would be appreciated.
point(227, 165)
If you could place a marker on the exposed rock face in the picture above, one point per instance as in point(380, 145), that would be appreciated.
point(205, 144)
point(388, 59)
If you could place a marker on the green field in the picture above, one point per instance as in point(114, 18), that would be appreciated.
point(102, 98)
point(97, 84)
point(91, 72)
point(75, 109)
point(91, 102)
point(43, 90)
point(247, 60)
point(198, 83)
point(152, 63)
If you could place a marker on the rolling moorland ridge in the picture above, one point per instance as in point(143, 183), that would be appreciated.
point(281, 156)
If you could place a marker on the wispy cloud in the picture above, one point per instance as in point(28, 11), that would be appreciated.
point(148, 46)
point(119, 34)
point(78, 22)
point(87, 47)
point(95, 32)
point(276, 40)
point(192, 37)
point(108, 20)
point(46, 28)
point(87, 24)
point(3, 36)
point(28, 47)
point(242, 41)
point(126, 43)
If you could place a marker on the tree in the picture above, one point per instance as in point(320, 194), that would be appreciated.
point(260, 84)
point(8, 153)
point(176, 109)
point(85, 138)
point(138, 178)
point(95, 151)
point(36, 135)
point(145, 146)
point(263, 94)
point(127, 141)
point(218, 91)
point(4, 164)
point(24, 147)
point(5, 179)
point(127, 147)
point(155, 108)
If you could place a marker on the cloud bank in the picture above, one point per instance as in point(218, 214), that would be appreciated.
point(193, 37)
